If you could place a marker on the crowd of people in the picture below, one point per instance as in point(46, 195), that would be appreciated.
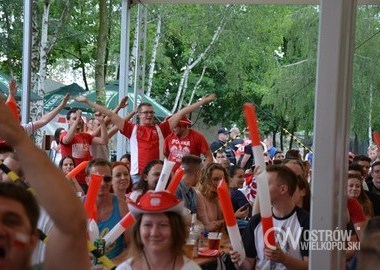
point(39, 198)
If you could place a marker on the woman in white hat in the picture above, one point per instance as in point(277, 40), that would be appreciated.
point(158, 235)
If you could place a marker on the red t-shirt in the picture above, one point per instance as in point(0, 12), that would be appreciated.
point(145, 143)
point(193, 144)
point(79, 149)
point(356, 211)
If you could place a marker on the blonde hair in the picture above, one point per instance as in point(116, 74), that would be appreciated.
point(203, 184)
point(372, 147)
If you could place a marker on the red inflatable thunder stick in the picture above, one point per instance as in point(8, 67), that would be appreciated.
point(229, 216)
point(92, 193)
point(173, 185)
point(376, 138)
point(262, 177)
point(126, 222)
point(77, 170)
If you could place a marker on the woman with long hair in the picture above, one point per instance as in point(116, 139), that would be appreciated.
point(208, 209)
point(355, 190)
point(149, 176)
point(67, 164)
point(158, 235)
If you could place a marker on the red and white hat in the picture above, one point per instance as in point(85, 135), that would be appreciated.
point(184, 122)
point(155, 202)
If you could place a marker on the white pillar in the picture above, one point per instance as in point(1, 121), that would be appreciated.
point(124, 70)
point(331, 125)
point(26, 61)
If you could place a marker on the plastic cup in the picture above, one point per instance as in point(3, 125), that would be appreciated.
point(214, 240)
point(189, 248)
point(187, 216)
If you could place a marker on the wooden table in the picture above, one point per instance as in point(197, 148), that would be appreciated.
point(225, 245)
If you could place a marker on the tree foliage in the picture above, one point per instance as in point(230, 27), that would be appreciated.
point(266, 55)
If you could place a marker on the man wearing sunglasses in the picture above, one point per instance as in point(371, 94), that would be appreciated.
point(110, 210)
point(146, 138)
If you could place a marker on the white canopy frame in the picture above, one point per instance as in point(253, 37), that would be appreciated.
point(332, 105)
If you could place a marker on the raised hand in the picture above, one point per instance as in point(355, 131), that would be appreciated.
point(78, 114)
point(65, 99)
point(81, 99)
point(209, 98)
point(10, 130)
point(12, 87)
point(123, 102)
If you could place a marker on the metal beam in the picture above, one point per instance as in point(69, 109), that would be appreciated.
point(247, 2)
point(331, 125)
point(124, 70)
point(26, 61)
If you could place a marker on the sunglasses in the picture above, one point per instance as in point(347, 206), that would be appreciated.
point(107, 178)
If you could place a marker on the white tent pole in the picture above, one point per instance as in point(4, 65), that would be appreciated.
point(124, 70)
point(331, 126)
point(26, 61)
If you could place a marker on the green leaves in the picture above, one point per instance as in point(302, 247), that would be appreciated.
point(265, 54)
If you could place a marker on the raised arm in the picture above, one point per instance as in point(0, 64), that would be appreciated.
point(173, 121)
point(71, 132)
point(122, 104)
point(103, 139)
point(114, 129)
point(46, 118)
point(115, 118)
point(11, 100)
point(66, 247)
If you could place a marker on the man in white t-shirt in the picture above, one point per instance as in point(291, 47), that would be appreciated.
point(287, 218)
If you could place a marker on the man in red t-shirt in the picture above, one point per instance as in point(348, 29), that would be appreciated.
point(185, 141)
point(146, 138)
point(76, 143)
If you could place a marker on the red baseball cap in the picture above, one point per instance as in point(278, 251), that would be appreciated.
point(155, 202)
point(184, 122)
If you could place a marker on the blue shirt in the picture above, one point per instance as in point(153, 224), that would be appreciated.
point(272, 151)
point(105, 226)
point(188, 195)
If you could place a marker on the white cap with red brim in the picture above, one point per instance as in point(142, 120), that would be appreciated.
point(155, 202)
